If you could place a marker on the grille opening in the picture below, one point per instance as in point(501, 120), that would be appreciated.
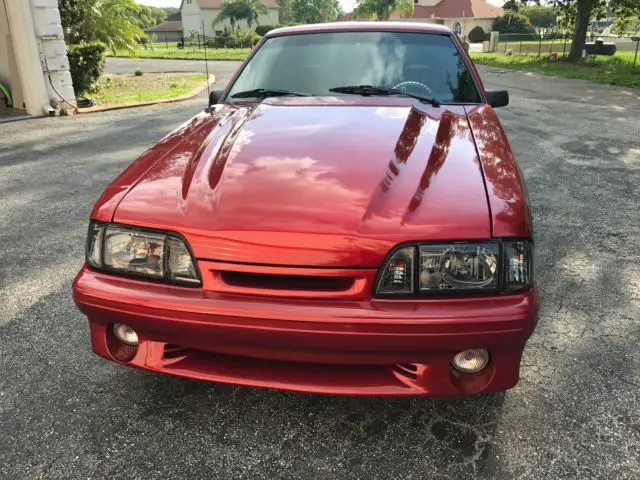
point(407, 370)
point(287, 282)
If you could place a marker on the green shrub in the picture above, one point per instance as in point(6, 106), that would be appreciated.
point(242, 39)
point(138, 73)
point(512, 22)
point(263, 29)
point(86, 62)
point(477, 35)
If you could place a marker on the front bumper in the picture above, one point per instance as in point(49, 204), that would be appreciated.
point(369, 347)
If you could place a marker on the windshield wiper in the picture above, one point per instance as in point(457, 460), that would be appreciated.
point(367, 90)
point(266, 92)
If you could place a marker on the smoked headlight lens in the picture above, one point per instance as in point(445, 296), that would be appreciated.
point(397, 276)
point(94, 245)
point(129, 250)
point(459, 267)
point(501, 265)
point(518, 265)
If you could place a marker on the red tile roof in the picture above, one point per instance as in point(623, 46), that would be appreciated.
point(447, 9)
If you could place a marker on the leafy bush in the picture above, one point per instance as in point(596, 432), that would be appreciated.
point(242, 39)
point(138, 73)
point(263, 29)
point(512, 22)
point(477, 35)
point(86, 62)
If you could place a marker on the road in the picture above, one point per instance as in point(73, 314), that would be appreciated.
point(65, 413)
point(223, 69)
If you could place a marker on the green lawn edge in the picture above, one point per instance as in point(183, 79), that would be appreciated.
point(609, 70)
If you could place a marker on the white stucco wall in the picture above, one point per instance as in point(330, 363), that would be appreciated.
point(52, 49)
point(192, 17)
point(37, 46)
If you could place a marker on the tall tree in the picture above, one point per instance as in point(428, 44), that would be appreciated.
point(235, 10)
point(232, 10)
point(582, 12)
point(115, 23)
point(542, 17)
point(285, 11)
point(316, 11)
point(382, 9)
point(253, 10)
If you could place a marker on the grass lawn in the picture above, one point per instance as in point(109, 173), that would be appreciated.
point(614, 70)
point(116, 90)
point(161, 50)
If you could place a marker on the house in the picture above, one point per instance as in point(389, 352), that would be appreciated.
point(195, 12)
point(459, 15)
point(167, 31)
point(34, 69)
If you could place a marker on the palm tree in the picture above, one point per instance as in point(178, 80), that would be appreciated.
point(254, 8)
point(382, 9)
point(232, 10)
point(113, 22)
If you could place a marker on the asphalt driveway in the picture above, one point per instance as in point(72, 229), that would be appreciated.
point(65, 413)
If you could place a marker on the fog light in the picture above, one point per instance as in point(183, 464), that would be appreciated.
point(125, 334)
point(471, 361)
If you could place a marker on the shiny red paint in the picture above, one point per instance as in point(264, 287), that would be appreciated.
point(355, 196)
point(331, 346)
point(290, 207)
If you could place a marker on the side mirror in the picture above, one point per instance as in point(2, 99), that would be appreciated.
point(498, 98)
point(214, 97)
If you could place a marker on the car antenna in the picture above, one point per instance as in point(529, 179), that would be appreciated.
point(206, 62)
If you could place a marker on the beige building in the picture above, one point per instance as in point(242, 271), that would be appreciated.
point(34, 69)
point(459, 15)
point(194, 12)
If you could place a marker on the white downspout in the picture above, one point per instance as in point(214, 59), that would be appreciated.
point(27, 57)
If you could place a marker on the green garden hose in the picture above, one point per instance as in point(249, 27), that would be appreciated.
point(7, 94)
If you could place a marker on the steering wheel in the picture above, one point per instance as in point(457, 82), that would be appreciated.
point(410, 85)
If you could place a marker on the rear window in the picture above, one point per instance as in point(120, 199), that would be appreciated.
point(419, 63)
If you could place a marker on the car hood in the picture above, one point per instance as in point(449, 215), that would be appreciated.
point(315, 185)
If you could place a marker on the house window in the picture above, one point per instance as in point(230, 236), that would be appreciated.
point(457, 28)
point(415, 2)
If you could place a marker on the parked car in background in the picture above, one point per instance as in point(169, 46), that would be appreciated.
point(346, 217)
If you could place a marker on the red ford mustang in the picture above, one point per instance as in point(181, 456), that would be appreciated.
point(346, 217)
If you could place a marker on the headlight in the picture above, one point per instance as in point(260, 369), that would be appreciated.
point(493, 266)
point(141, 252)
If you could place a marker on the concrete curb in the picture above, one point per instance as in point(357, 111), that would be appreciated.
point(187, 96)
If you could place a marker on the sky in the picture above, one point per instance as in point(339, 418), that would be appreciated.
point(347, 5)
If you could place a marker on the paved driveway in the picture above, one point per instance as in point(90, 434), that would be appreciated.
point(65, 413)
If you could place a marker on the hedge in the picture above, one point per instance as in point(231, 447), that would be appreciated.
point(477, 35)
point(86, 62)
point(263, 29)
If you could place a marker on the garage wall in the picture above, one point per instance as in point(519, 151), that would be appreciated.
point(52, 49)
point(5, 45)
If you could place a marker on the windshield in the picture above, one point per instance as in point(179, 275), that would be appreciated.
point(418, 63)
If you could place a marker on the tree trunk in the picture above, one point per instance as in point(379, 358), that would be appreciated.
point(583, 15)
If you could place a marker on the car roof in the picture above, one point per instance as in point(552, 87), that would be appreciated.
point(359, 26)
